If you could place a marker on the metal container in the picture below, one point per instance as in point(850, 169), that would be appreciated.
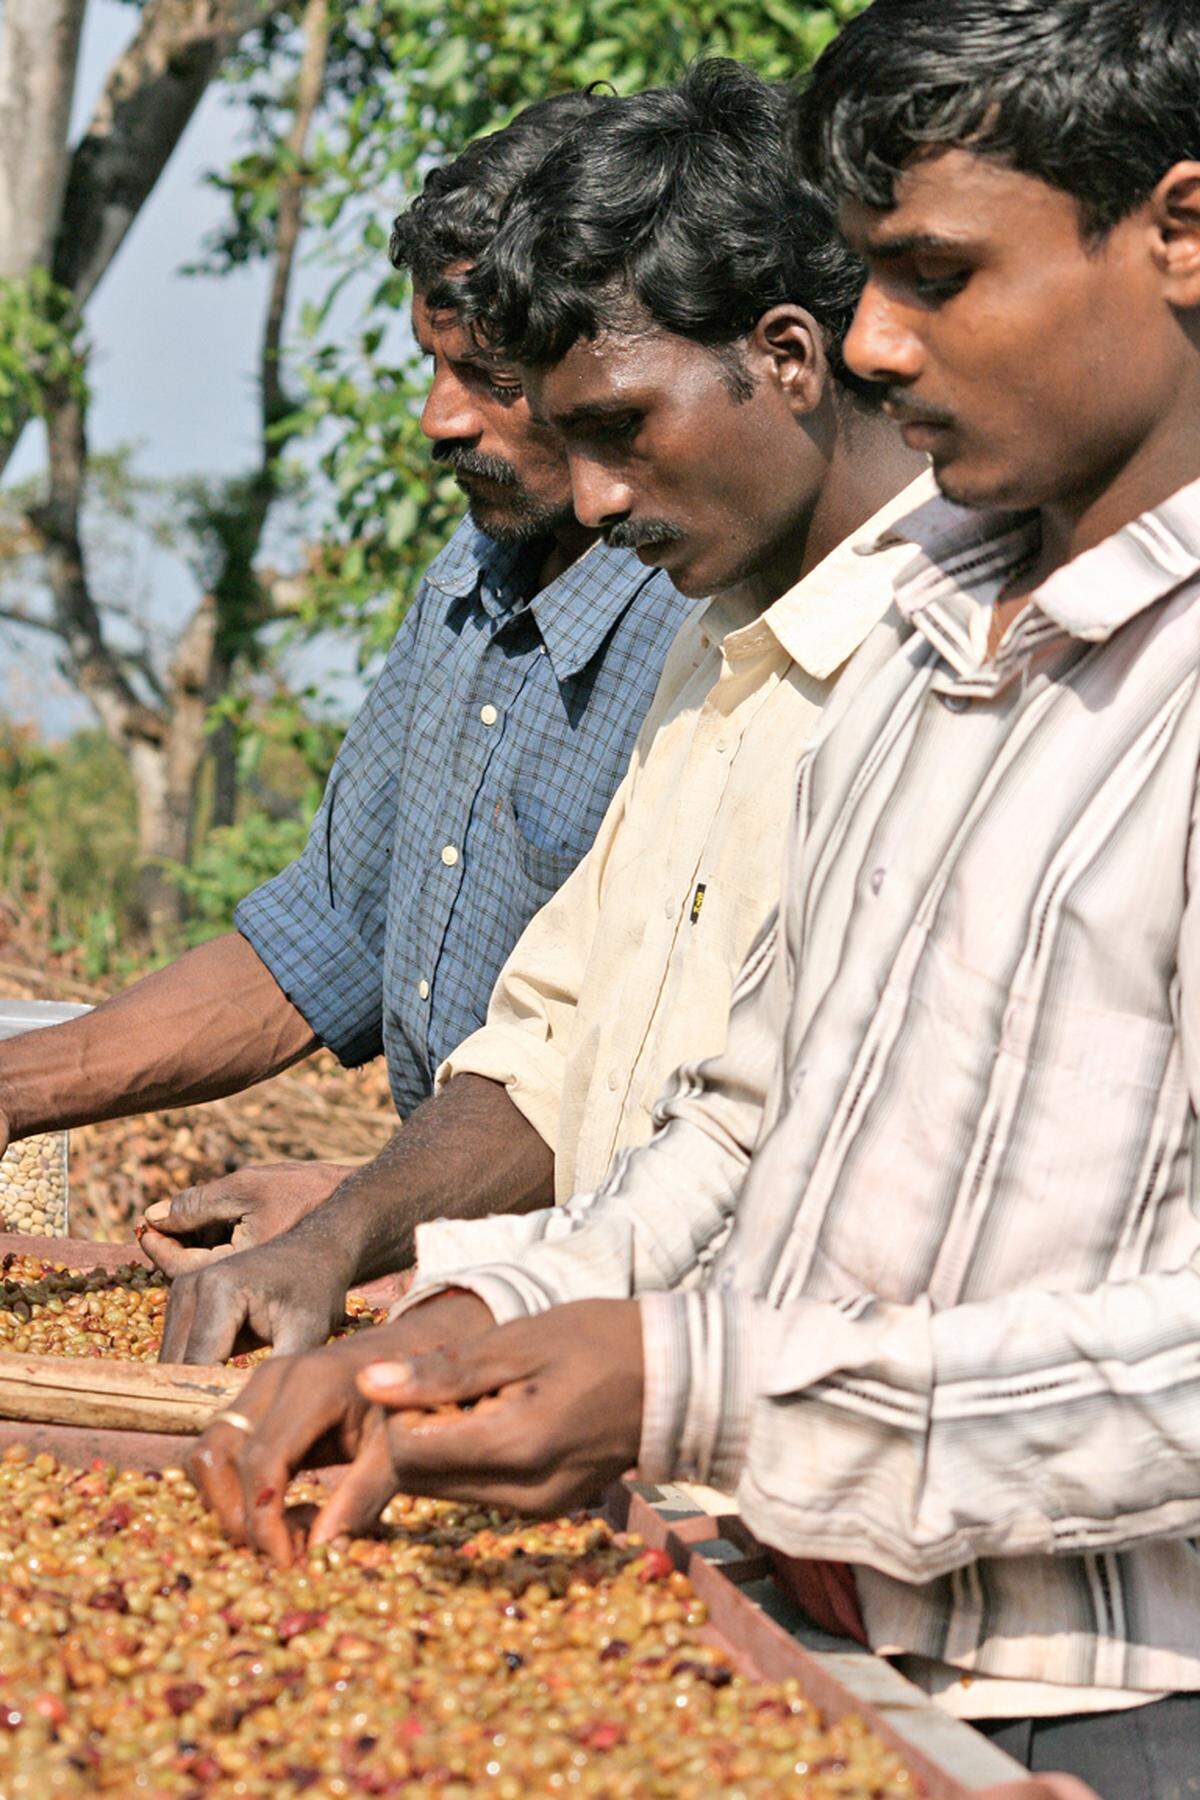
point(34, 1184)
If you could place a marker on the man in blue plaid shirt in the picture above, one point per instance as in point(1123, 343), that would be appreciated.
point(468, 787)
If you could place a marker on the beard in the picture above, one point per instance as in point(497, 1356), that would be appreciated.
point(512, 517)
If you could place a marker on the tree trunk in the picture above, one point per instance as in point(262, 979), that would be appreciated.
point(39, 52)
point(152, 91)
point(165, 775)
point(164, 744)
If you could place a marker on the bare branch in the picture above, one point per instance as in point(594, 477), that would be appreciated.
point(11, 615)
point(93, 665)
point(290, 217)
point(151, 93)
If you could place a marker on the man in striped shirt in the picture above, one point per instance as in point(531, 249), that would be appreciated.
point(954, 1336)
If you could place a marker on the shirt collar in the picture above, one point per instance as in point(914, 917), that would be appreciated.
point(823, 619)
point(574, 613)
point(471, 562)
point(577, 610)
point(963, 558)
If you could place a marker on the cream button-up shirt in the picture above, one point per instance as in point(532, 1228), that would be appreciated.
point(628, 971)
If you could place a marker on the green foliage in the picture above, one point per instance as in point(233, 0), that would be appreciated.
point(68, 839)
point(232, 860)
point(411, 82)
point(41, 346)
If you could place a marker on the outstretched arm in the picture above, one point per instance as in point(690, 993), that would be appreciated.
point(211, 1023)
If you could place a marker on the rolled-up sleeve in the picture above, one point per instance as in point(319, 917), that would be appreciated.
point(320, 924)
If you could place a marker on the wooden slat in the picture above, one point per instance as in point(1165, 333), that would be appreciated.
point(127, 1396)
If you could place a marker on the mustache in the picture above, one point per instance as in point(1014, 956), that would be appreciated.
point(904, 409)
point(641, 534)
point(460, 459)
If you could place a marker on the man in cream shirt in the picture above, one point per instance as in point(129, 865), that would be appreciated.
point(627, 971)
point(745, 468)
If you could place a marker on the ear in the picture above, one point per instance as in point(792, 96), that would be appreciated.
point(791, 345)
point(1176, 213)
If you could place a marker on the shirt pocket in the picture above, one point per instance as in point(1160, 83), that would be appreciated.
point(542, 868)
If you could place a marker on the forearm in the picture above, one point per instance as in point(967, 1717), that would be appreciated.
point(464, 1154)
point(211, 1023)
point(918, 1440)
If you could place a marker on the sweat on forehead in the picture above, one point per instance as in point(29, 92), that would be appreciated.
point(1098, 98)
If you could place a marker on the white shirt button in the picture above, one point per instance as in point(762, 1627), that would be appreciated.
point(614, 1079)
point(721, 746)
point(423, 989)
point(488, 714)
point(450, 856)
point(954, 702)
point(668, 909)
point(876, 880)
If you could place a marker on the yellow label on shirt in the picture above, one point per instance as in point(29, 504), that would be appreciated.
point(697, 901)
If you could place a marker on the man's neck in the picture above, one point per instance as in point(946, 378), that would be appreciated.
point(565, 547)
point(868, 466)
point(1167, 460)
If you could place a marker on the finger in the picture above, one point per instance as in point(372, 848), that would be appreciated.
point(467, 1371)
point(497, 1438)
point(213, 1463)
point(219, 1310)
point(310, 1403)
point(177, 1259)
point(356, 1504)
point(300, 1329)
point(212, 1203)
point(177, 1322)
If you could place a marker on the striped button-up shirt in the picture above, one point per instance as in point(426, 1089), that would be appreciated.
point(954, 1335)
point(469, 785)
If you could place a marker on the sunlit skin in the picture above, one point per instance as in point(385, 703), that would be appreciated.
point(656, 436)
point(476, 412)
point(1035, 367)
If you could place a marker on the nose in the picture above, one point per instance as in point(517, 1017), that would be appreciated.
point(880, 345)
point(600, 498)
point(449, 413)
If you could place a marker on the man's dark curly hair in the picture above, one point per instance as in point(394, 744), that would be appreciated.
point(453, 218)
point(1098, 98)
point(677, 207)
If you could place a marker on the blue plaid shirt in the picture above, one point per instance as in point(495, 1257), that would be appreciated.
point(472, 781)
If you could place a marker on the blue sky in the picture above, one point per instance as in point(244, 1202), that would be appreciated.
point(172, 368)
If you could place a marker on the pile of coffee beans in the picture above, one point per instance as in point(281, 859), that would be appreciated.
point(461, 1653)
point(33, 1186)
point(48, 1309)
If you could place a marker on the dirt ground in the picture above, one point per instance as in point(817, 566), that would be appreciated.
point(317, 1110)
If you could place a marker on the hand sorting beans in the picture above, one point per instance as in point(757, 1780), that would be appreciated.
point(462, 1652)
point(47, 1309)
point(33, 1186)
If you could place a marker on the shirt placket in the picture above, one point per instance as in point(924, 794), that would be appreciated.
point(484, 703)
point(743, 684)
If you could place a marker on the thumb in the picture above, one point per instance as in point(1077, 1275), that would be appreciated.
point(176, 1259)
point(360, 1496)
point(461, 1372)
point(214, 1203)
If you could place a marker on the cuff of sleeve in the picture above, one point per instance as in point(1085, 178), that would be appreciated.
point(320, 962)
point(699, 1356)
point(530, 1070)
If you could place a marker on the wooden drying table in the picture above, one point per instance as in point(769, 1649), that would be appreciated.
point(144, 1416)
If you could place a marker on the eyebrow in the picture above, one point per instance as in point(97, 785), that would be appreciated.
point(914, 243)
point(594, 412)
